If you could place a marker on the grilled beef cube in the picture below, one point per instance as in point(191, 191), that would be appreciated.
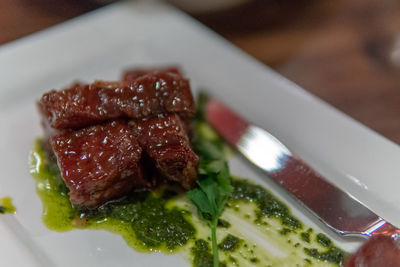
point(377, 251)
point(136, 73)
point(99, 163)
point(166, 143)
point(147, 96)
point(133, 74)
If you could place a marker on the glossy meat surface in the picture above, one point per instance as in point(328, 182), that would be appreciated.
point(99, 163)
point(379, 251)
point(146, 96)
point(166, 143)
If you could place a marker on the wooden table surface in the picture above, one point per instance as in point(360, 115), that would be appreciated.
point(343, 51)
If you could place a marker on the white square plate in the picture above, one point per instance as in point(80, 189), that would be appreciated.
point(102, 44)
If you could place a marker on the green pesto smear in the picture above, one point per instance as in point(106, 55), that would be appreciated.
point(141, 218)
point(255, 229)
point(6, 205)
point(230, 243)
point(267, 204)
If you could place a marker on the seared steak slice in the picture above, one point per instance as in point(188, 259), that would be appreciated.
point(166, 143)
point(376, 252)
point(136, 73)
point(90, 104)
point(99, 163)
point(133, 74)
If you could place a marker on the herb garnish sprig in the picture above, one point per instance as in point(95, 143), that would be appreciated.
point(214, 183)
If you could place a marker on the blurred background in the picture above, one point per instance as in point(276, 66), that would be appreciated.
point(346, 52)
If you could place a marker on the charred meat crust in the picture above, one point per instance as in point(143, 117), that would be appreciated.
point(111, 137)
point(164, 140)
point(99, 162)
point(146, 96)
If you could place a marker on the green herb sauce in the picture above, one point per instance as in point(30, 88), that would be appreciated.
point(324, 240)
point(142, 218)
point(6, 205)
point(332, 254)
point(305, 236)
point(201, 253)
point(223, 223)
point(154, 225)
point(285, 231)
point(161, 220)
point(150, 221)
point(267, 204)
point(230, 243)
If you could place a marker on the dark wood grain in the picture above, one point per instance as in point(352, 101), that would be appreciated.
point(342, 51)
point(19, 18)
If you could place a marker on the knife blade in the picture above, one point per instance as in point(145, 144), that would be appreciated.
point(337, 209)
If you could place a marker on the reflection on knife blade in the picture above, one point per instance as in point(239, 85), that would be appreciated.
point(337, 209)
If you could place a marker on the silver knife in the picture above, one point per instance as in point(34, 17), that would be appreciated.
point(340, 211)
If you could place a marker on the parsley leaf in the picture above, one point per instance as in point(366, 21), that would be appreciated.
point(214, 182)
point(210, 199)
